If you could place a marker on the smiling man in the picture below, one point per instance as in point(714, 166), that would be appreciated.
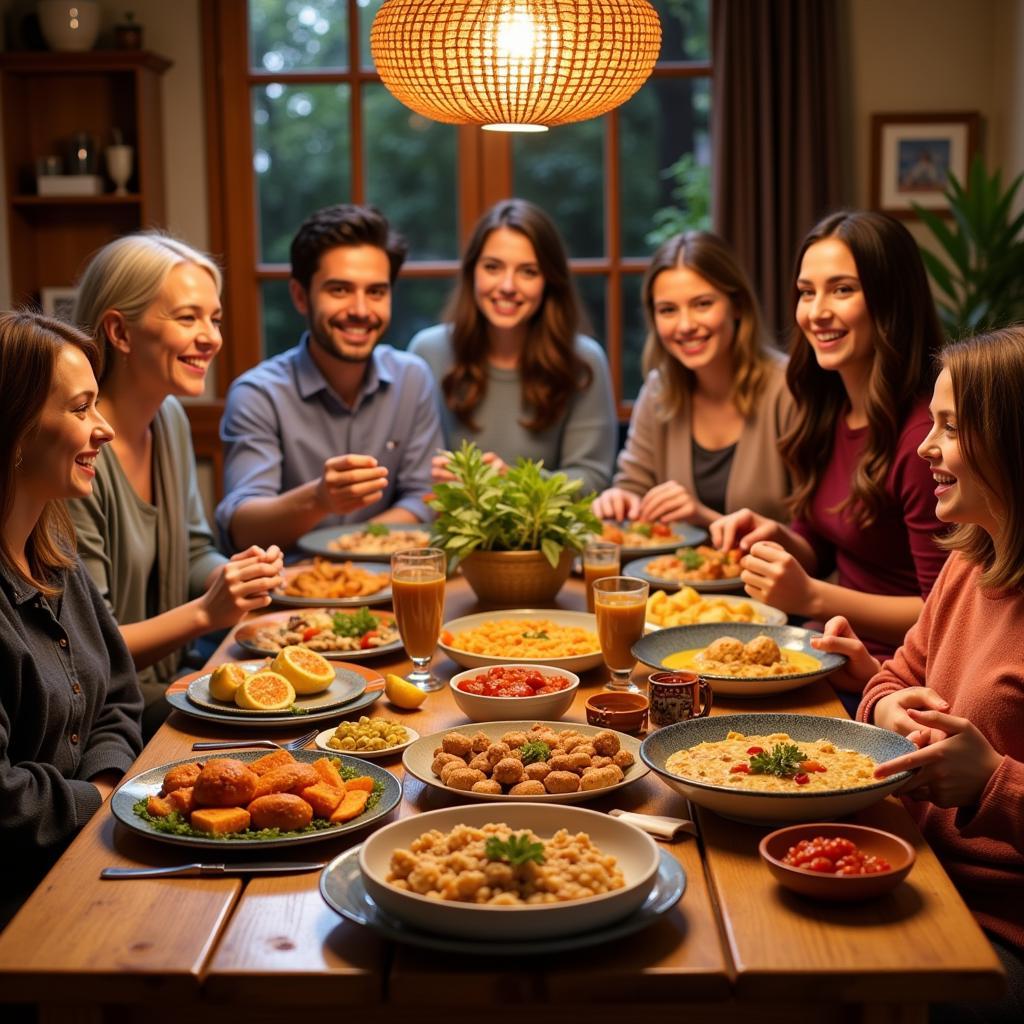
point(337, 429)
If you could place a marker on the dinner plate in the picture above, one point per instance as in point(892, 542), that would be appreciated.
point(245, 636)
point(343, 889)
point(683, 535)
point(347, 687)
point(382, 596)
point(418, 757)
point(654, 648)
point(370, 755)
point(149, 782)
point(769, 616)
point(638, 567)
point(317, 542)
point(575, 663)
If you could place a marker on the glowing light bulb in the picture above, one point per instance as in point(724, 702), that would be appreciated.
point(517, 36)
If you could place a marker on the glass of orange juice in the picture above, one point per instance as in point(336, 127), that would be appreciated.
point(417, 593)
point(620, 603)
point(600, 559)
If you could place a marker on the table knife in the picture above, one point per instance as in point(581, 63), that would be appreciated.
point(198, 870)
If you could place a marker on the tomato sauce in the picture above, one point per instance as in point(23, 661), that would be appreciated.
point(834, 856)
point(502, 681)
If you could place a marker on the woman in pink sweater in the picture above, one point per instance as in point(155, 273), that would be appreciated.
point(956, 686)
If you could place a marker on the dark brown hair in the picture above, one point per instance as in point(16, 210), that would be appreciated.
point(549, 367)
point(987, 373)
point(30, 345)
point(907, 339)
point(344, 224)
point(707, 255)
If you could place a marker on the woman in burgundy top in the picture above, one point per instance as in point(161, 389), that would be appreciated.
point(861, 373)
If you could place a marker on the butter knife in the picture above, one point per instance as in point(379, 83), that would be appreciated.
point(200, 870)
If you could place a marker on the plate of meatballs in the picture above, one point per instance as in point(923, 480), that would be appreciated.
point(251, 798)
point(548, 762)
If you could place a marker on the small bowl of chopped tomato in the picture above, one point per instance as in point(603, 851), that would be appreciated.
point(504, 693)
point(837, 862)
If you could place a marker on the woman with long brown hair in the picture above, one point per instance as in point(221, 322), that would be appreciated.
point(705, 428)
point(861, 369)
point(516, 373)
point(70, 702)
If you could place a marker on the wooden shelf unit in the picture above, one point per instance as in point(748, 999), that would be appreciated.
point(48, 98)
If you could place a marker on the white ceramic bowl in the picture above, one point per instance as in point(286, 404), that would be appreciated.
point(635, 852)
point(542, 706)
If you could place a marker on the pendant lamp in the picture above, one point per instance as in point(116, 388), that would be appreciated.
point(514, 65)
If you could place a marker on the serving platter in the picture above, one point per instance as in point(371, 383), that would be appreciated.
point(382, 596)
point(638, 568)
point(574, 663)
point(347, 687)
point(322, 738)
point(769, 616)
point(683, 535)
point(245, 636)
point(419, 756)
point(342, 887)
point(317, 542)
point(654, 648)
point(149, 782)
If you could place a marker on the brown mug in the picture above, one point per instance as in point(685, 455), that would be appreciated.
point(678, 697)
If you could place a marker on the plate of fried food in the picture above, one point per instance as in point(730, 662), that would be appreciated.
point(345, 634)
point(687, 607)
point(740, 659)
point(704, 568)
point(327, 584)
point(636, 537)
point(524, 636)
point(370, 542)
point(547, 762)
point(256, 799)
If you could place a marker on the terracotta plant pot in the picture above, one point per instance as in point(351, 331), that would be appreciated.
point(515, 579)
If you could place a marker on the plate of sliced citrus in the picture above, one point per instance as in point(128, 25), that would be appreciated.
point(296, 681)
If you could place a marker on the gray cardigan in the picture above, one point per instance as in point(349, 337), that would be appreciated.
point(657, 450)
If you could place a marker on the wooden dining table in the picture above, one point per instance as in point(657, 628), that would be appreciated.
point(736, 947)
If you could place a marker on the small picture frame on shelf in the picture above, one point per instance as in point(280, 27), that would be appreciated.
point(59, 303)
point(912, 156)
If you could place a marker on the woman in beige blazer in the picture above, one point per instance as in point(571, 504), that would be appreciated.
point(703, 437)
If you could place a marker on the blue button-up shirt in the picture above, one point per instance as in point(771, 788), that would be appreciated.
point(282, 420)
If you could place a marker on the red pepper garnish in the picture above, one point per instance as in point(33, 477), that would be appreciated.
point(801, 779)
point(755, 750)
point(309, 633)
point(742, 767)
point(370, 634)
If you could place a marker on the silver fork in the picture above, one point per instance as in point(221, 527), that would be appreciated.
point(296, 744)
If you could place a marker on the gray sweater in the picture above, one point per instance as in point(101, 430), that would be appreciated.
point(581, 444)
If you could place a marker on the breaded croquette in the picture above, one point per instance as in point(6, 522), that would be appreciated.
point(288, 778)
point(286, 811)
point(180, 777)
point(224, 782)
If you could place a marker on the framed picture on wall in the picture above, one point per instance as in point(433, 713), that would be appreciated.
point(912, 156)
point(58, 302)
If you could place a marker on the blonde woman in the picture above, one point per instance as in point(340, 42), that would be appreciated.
point(153, 304)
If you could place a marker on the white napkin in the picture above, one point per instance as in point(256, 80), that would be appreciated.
point(656, 824)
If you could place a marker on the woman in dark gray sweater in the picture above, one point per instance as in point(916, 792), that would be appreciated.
point(69, 699)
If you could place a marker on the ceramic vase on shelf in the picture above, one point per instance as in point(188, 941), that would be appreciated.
point(119, 167)
point(69, 26)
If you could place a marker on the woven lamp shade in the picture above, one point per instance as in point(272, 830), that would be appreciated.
point(514, 64)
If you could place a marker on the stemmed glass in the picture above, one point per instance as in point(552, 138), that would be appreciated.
point(620, 603)
point(417, 593)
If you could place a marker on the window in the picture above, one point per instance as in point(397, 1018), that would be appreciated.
point(322, 129)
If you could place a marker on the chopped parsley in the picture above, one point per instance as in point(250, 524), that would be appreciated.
point(782, 760)
point(356, 624)
point(516, 850)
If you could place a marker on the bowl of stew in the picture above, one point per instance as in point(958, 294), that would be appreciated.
point(504, 692)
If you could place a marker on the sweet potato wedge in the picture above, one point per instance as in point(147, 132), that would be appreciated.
point(352, 805)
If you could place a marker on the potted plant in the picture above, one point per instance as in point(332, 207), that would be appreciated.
point(980, 276)
point(514, 534)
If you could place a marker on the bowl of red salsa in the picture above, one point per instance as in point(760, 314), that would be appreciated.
point(506, 692)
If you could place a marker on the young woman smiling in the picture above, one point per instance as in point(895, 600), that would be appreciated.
point(704, 432)
point(69, 703)
point(516, 376)
point(153, 304)
point(861, 371)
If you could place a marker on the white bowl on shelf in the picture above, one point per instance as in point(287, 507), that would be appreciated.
point(541, 706)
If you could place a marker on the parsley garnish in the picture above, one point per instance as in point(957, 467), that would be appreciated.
point(644, 529)
point(539, 635)
point(356, 624)
point(515, 850)
point(690, 558)
point(534, 750)
point(377, 530)
point(782, 760)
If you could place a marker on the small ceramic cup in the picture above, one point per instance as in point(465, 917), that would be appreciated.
point(678, 697)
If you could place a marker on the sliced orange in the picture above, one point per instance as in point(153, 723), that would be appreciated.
point(304, 669)
point(265, 691)
point(225, 681)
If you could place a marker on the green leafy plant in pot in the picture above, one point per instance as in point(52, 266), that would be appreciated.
point(514, 534)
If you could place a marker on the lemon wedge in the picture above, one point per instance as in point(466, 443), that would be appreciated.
point(306, 670)
point(402, 693)
point(265, 691)
point(225, 680)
